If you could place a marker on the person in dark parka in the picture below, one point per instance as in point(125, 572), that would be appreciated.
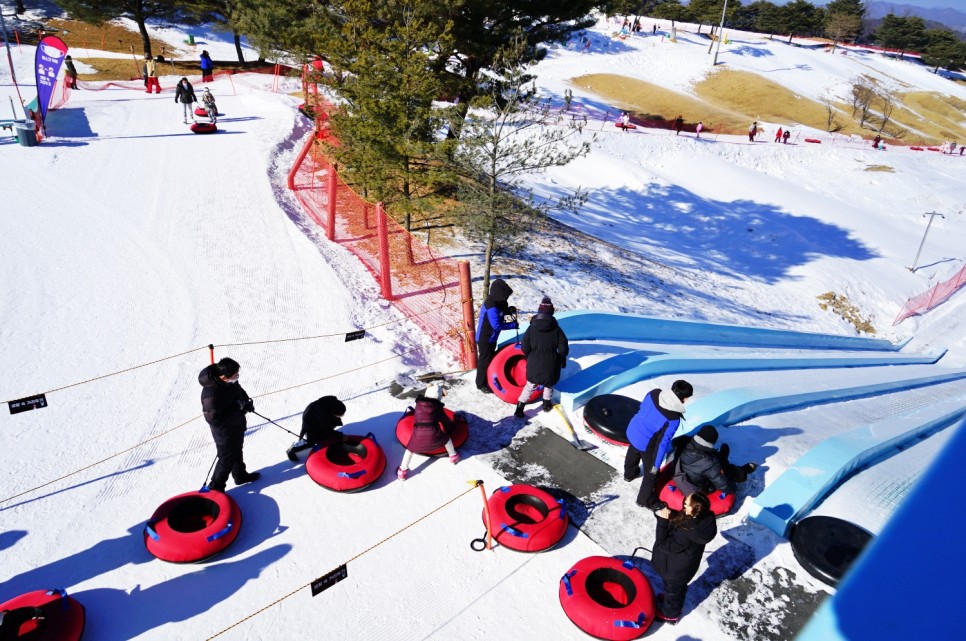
point(545, 346)
point(649, 434)
point(71, 72)
point(699, 467)
point(678, 546)
point(224, 404)
point(185, 94)
point(489, 326)
point(431, 429)
point(319, 420)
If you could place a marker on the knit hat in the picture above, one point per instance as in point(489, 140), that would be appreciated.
point(546, 306)
point(434, 391)
point(227, 367)
point(706, 436)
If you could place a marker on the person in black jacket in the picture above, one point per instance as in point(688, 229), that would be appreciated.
point(678, 546)
point(71, 72)
point(491, 322)
point(185, 94)
point(699, 467)
point(546, 348)
point(319, 420)
point(224, 404)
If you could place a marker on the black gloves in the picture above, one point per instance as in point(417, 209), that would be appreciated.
point(247, 406)
point(511, 310)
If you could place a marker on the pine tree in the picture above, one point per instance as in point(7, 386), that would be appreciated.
point(388, 125)
point(944, 50)
point(508, 134)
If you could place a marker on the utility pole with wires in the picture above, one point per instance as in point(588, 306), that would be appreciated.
point(932, 215)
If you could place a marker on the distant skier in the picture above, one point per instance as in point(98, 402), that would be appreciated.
point(546, 348)
point(492, 321)
point(876, 141)
point(185, 94)
point(678, 125)
point(752, 131)
point(208, 101)
point(698, 129)
point(320, 419)
point(778, 135)
point(624, 121)
point(431, 430)
point(151, 76)
point(785, 136)
point(207, 67)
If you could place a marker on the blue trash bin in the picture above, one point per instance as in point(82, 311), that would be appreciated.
point(26, 133)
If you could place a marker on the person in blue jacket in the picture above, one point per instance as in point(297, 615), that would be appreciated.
point(649, 433)
point(207, 67)
point(491, 322)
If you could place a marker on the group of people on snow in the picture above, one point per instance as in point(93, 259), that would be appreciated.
point(695, 463)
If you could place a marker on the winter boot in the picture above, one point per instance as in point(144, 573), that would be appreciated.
point(297, 446)
point(454, 459)
point(248, 478)
point(401, 474)
point(216, 487)
point(519, 412)
point(547, 405)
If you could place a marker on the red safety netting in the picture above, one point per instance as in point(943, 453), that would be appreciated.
point(932, 298)
point(420, 282)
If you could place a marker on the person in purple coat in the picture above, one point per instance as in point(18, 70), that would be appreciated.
point(431, 429)
point(492, 321)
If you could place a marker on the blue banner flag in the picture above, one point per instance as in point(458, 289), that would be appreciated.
point(47, 62)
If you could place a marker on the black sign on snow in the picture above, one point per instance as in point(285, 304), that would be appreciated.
point(354, 336)
point(27, 404)
point(326, 581)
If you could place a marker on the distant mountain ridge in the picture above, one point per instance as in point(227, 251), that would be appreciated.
point(951, 18)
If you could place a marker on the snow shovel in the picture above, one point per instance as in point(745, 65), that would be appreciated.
point(580, 445)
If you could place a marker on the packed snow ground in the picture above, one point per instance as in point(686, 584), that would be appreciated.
point(125, 239)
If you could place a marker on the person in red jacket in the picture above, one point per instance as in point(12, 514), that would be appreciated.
point(431, 428)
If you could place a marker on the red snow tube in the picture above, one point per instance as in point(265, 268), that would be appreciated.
point(62, 617)
point(933, 148)
point(349, 465)
point(916, 148)
point(193, 526)
point(721, 502)
point(526, 518)
point(815, 140)
point(404, 431)
point(608, 598)
point(619, 125)
point(204, 128)
point(200, 111)
point(507, 375)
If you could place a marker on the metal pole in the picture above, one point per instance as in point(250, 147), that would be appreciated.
point(932, 215)
point(720, 31)
point(13, 75)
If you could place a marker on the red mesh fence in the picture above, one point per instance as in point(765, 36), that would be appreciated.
point(932, 298)
point(424, 285)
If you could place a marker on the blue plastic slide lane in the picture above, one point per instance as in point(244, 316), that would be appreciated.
point(626, 369)
point(805, 484)
point(908, 582)
point(589, 325)
point(739, 404)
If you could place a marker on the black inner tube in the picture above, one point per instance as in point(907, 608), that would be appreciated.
point(597, 590)
point(189, 515)
point(340, 453)
point(515, 503)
